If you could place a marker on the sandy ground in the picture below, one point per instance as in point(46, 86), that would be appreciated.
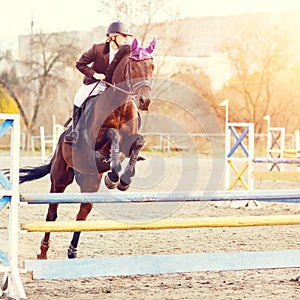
point(259, 284)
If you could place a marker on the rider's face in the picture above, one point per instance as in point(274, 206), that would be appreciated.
point(121, 39)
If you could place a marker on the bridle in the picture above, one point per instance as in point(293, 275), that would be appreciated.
point(129, 82)
point(132, 86)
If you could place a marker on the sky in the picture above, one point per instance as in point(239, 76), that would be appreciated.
point(67, 15)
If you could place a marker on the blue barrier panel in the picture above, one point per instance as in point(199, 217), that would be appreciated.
point(3, 258)
point(4, 201)
point(5, 126)
point(4, 181)
point(161, 264)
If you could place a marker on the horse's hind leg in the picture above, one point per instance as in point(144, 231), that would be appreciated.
point(129, 172)
point(51, 216)
point(88, 184)
point(112, 177)
point(61, 177)
point(52, 212)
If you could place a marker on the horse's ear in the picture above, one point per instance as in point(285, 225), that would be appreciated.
point(151, 46)
point(134, 45)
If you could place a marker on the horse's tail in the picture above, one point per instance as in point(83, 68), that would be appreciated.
point(33, 173)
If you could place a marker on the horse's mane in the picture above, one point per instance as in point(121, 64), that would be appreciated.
point(123, 50)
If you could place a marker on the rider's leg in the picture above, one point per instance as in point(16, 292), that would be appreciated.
point(72, 137)
point(82, 94)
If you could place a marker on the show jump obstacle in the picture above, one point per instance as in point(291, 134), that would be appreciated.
point(11, 285)
point(240, 160)
point(131, 265)
point(278, 156)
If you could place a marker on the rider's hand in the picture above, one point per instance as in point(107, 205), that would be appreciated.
point(99, 76)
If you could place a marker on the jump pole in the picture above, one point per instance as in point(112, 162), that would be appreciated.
point(290, 195)
point(173, 223)
point(277, 176)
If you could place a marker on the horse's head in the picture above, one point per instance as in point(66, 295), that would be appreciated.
point(139, 72)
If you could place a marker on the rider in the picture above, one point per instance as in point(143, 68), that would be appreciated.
point(99, 56)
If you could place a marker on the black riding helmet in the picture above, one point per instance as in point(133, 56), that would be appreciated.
point(117, 27)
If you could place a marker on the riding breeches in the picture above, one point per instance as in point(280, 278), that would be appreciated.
point(86, 90)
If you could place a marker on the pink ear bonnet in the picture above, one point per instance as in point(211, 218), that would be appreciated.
point(140, 53)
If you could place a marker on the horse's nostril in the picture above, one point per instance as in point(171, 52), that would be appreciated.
point(142, 102)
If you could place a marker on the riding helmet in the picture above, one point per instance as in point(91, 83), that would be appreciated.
point(117, 27)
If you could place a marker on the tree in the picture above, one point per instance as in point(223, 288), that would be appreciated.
point(148, 19)
point(8, 82)
point(34, 80)
point(257, 56)
point(286, 104)
point(195, 77)
point(142, 16)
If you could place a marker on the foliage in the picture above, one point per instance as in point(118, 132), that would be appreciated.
point(195, 78)
point(7, 103)
point(258, 57)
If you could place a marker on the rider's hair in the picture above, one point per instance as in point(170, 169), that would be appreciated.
point(110, 37)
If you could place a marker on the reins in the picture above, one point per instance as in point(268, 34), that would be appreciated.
point(130, 85)
point(116, 87)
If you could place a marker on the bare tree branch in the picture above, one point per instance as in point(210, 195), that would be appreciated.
point(257, 56)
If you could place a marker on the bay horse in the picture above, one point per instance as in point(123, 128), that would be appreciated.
point(108, 131)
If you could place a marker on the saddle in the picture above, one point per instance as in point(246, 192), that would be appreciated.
point(81, 115)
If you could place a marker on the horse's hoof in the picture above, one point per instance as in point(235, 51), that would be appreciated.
point(296, 279)
point(109, 183)
point(41, 256)
point(71, 256)
point(122, 186)
point(4, 286)
point(72, 252)
point(44, 248)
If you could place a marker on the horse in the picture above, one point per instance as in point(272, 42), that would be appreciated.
point(108, 132)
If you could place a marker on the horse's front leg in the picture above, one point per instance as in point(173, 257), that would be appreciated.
point(112, 177)
point(129, 172)
point(85, 209)
point(88, 184)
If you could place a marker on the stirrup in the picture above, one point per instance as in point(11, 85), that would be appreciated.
point(72, 137)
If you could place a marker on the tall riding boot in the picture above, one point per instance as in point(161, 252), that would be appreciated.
point(72, 137)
